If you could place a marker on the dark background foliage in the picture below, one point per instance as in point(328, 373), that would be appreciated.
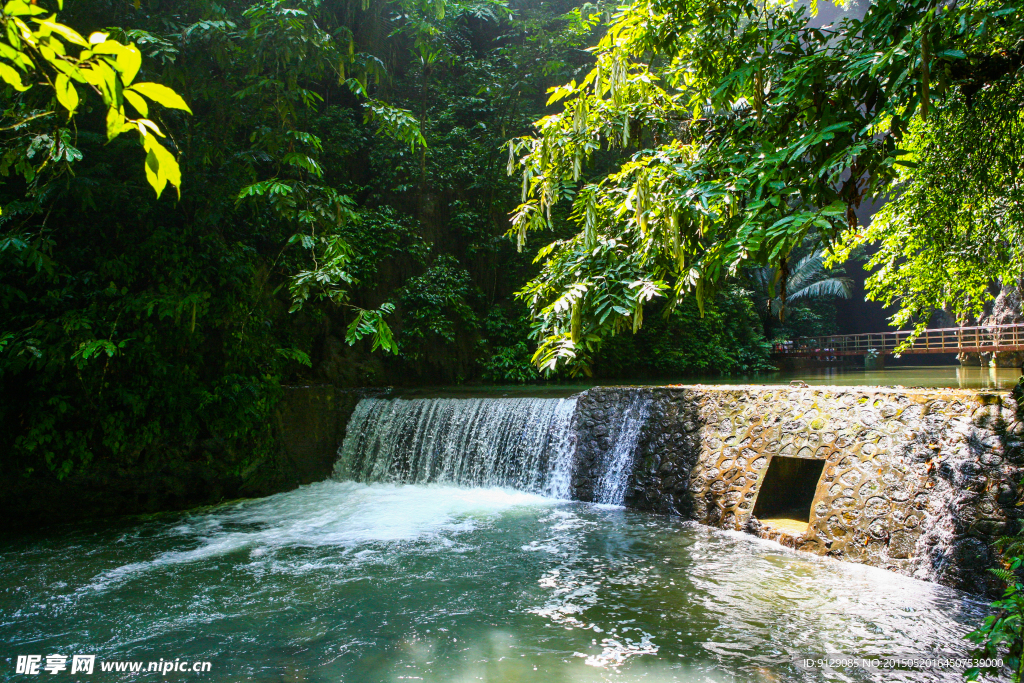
point(144, 342)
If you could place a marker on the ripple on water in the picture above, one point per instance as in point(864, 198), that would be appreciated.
point(353, 582)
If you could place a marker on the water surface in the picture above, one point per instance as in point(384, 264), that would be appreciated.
point(343, 581)
point(928, 376)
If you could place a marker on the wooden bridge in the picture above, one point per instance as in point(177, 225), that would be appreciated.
point(985, 339)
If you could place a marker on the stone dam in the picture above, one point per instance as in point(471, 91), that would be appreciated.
point(916, 481)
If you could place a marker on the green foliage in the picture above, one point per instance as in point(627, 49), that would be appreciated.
point(328, 279)
point(955, 223)
point(778, 290)
point(1002, 634)
point(741, 130)
point(726, 339)
point(435, 308)
point(37, 47)
point(372, 324)
point(296, 355)
point(138, 333)
point(397, 123)
point(505, 356)
point(796, 299)
point(816, 318)
point(509, 365)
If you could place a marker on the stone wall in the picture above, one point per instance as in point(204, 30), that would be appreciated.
point(310, 423)
point(918, 481)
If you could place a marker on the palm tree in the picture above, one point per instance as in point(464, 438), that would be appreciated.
point(776, 290)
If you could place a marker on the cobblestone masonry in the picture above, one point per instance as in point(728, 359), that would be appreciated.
point(918, 481)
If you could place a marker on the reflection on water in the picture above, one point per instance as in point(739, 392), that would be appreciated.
point(933, 376)
point(940, 376)
point(350, 582)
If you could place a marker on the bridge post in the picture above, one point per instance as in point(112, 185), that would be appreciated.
point(1006, 359)
point(969, 359)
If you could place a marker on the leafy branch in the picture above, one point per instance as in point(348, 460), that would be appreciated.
point(36, 45)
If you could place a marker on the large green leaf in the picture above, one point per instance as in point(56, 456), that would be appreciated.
point(161, 94)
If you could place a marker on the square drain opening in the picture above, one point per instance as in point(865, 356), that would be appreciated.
point(786, 493)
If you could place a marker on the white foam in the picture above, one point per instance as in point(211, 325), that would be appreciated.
point(522, 443)
point(618, 466)
point(347, 514)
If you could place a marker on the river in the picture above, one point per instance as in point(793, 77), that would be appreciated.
point(344, 581)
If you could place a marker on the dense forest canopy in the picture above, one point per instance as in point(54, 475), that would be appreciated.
point(746, 130)
point(342, 190)
point(205, 202)
point(345, 176)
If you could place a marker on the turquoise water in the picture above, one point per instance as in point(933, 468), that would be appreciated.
point(340, 581)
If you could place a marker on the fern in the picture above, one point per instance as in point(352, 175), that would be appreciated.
point(1002, 633)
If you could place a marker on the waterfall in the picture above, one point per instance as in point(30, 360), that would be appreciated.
point(617, 467)
point(522, 443)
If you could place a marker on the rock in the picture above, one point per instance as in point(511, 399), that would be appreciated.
point(963, 563)
point(1006, 310)
point(911, 467)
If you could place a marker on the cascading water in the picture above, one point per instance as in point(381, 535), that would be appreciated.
point(613, 484)
point(366, 582)
point(522, 443)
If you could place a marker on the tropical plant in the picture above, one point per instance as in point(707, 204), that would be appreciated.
point(724, 339)
point(955, 223)
point(742, 129)
point(509, 365)
point(436, 308)
point(777, 290)
point(504, 352)
point(1002, 634)
point(39, 48)
point(147, 337)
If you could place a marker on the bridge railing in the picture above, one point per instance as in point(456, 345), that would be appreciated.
point(981, 339)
